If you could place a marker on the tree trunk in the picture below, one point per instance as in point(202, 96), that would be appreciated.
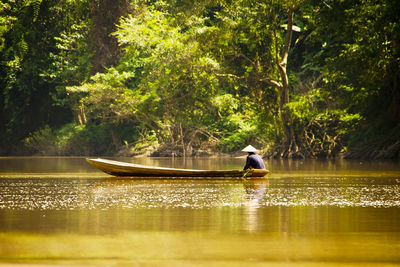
point(290, 140)
point(78, 111)
point(105, 15)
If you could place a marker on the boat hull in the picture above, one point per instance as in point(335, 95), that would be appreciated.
point(118, 168)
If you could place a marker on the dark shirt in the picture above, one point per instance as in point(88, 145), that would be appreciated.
point(254, 161)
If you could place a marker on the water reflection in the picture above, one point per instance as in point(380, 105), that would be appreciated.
point(255, 192)
point(255, 189)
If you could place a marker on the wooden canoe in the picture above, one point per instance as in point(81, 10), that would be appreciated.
point(118, 168)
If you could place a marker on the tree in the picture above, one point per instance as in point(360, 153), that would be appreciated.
point(44, 47)
point(163, 81)
point(27, 37)
point(368, 36)
point(261, 48)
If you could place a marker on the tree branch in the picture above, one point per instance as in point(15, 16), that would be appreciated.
point(271, 82)
point(230, 75)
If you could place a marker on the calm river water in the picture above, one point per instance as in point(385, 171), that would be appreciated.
point(62, 211)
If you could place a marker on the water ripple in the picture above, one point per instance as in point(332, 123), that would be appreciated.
point(74, 193)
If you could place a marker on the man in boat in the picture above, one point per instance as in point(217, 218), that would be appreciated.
point(253, 160)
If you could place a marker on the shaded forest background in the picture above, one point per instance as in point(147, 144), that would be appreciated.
point(299, 78)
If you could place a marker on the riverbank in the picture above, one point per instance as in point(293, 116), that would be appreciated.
point(375, 143)
point(373, 152)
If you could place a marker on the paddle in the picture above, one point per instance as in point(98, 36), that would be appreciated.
point(246, 173)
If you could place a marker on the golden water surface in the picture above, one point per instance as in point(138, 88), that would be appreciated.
point(62, 211)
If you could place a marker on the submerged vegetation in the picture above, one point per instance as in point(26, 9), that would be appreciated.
point(298, 78)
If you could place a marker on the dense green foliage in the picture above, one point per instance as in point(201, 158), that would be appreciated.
point(175, 77)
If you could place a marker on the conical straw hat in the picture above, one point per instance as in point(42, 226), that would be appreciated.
point(249, 148)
